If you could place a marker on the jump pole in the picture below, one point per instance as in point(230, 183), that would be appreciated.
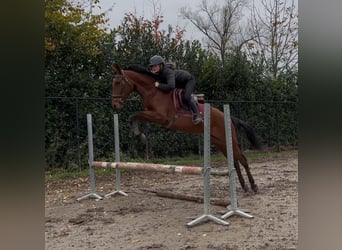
point(117, 158)
point(92, 193)
point(167, 169)
point(231, 169)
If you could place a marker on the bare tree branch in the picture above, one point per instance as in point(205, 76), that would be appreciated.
point(275, 30)
point(219, 24)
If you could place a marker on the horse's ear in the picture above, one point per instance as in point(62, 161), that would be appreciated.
point(117, 69)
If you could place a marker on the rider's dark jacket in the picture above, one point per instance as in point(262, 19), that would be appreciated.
point(173, 78)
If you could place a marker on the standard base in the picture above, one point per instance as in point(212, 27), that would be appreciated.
point(91, 195)
point(206, 217)
point(238, 212)
point(116, 192)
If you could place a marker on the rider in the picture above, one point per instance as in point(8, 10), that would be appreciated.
point(175, 78)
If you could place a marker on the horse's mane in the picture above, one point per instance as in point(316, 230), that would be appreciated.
point(142, 70)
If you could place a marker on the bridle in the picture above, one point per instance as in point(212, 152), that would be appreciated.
point(124, 81)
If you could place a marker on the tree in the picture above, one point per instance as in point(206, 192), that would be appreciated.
point(219, 24)
point(73, 41)
point(275, 32)
point(75, 66)
point(137, 39)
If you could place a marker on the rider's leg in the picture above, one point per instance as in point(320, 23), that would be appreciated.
point(189, 88)
point(196, 114)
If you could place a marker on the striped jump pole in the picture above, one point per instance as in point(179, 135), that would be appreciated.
point(168, 169)
point(231, 169)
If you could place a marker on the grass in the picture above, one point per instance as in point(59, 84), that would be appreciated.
point(58, 174)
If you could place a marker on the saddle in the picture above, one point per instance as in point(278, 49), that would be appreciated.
point(177, 98)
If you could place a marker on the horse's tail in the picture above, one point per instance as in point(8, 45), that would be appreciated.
point(251, 136)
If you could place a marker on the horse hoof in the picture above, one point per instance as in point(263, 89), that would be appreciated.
point(255, 188)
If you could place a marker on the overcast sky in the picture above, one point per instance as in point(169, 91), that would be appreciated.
point(169, 10)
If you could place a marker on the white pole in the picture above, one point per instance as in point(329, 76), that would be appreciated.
point(92, 193)
point(117, 158)
point(231, 168)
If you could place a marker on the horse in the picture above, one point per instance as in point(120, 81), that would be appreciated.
point(159, 108)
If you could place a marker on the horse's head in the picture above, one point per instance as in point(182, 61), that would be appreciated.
point(121, 88)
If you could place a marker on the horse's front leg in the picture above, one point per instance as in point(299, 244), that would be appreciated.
point(148, 116)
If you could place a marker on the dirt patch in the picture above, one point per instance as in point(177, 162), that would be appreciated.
point(143, 220)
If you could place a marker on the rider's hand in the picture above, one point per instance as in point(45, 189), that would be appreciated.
point(156, 84)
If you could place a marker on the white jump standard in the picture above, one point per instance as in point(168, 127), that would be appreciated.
point(231, 169)
point(206, 180)
point(92, 193)
point(117, 158)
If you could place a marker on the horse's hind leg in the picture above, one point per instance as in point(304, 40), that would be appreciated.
point(243, 161)
point(221, 145)
point(240, 176)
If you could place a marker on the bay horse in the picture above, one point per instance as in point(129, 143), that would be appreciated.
point(159, 108)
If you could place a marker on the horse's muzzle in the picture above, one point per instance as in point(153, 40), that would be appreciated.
point(117, 103)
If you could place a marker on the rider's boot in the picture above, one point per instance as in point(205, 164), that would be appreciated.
point(196, 118)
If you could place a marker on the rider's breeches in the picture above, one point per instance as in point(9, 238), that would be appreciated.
point(188, 90)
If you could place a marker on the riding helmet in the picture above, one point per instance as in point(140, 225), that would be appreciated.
point(156, 60)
